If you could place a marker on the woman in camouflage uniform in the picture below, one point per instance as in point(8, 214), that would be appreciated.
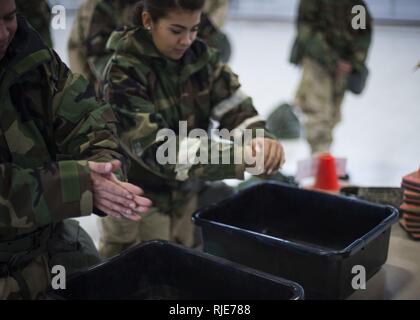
point(160, 75)
point(97, 19)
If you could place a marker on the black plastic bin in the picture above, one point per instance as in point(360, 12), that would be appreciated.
point(309, 237)
point(159, 270)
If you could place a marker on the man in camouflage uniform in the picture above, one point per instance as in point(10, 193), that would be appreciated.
point(38, 14)
point(97, 19)
point(329, 50)
point(50, 126)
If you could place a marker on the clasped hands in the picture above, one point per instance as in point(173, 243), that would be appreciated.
point(114, 197)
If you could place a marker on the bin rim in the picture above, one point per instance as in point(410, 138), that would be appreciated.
point(296, 288)
point(298, 291)
point(351, 249)
point(375, 232)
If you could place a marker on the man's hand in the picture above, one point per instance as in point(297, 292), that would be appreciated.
point(143, 204)
point(344, 68)
point(272, 153)
point(116, 198)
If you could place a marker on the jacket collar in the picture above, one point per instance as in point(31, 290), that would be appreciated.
point(25, 42)
point(138, 42)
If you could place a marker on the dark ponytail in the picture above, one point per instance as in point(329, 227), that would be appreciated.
point(160, 8)
point(138, 11)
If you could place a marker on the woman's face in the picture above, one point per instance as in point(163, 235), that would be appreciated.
point(173, 34)
point(8, 24)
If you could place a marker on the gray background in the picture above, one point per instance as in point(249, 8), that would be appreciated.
point(399, 10)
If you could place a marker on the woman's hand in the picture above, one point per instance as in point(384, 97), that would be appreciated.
point(272, 154)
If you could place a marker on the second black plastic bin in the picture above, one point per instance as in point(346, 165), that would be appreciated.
point(315, 239)
point(159, 270)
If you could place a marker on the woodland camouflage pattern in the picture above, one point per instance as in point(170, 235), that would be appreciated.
point(326, 37)
point(150, 93)
point(325, 33)
point(50, 124)
point(214, 37)
point(38, 14)
point(97, 19)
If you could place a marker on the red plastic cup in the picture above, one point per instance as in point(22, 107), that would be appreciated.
point(326, 178)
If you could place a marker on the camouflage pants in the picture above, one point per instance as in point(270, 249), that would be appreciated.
point(319, 96)
point(69, 246)
point(36, 275)
point(119, 234)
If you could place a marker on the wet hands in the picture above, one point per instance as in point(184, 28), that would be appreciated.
point(267, 153)
point(114, 197)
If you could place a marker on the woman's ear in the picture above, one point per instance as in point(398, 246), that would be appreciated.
point(147, 20)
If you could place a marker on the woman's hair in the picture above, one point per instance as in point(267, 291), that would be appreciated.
point(160, 8)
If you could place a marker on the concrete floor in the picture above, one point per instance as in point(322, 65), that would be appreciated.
point(379, 132)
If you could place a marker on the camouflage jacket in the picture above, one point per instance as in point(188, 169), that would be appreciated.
point(94, 23)
point(150, 93)
point(97, 19)
point(50, 124)
point(214, 37)
point(325, 33)
point(38, 13)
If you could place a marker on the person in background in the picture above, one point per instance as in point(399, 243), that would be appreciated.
point(217, 11)
point(330, 52)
